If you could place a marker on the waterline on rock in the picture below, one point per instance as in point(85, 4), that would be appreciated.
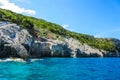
point(12, 59)
point(19, 60)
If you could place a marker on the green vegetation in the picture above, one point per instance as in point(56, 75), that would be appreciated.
point(41, 27)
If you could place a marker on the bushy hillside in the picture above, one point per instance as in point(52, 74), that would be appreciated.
point(40, 27)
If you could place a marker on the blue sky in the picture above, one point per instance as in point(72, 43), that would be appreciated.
point(100, 18)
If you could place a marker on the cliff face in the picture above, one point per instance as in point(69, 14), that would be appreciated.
point(16, 42)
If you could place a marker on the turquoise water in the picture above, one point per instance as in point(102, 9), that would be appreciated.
point(62, 69)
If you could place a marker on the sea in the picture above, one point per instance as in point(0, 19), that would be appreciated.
point(61, 69)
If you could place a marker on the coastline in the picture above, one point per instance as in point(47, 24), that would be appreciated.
point(19, 60)
point(19, 43)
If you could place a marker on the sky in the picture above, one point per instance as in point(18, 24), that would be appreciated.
point(100, 18)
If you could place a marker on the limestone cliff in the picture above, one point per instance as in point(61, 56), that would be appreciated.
point(16, 42)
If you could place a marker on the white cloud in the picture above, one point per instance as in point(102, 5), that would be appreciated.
point(65, 26)
point(6, 4)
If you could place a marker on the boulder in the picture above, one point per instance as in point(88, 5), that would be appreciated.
point(14, 50)
point(14, 42)
point(18, 50)
point(11, 34)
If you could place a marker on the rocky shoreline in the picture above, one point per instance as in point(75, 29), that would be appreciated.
point(18, 43)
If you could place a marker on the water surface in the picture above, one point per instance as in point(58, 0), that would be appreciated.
point(62, 69)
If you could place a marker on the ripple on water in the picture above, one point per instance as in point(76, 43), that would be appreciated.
point(62, 69)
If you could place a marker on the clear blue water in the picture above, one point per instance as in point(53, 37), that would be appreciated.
point(62, 69)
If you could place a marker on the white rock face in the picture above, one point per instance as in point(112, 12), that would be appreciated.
point(67, 48)
point(11, 33)
point(82, 50)
point(24, 37)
